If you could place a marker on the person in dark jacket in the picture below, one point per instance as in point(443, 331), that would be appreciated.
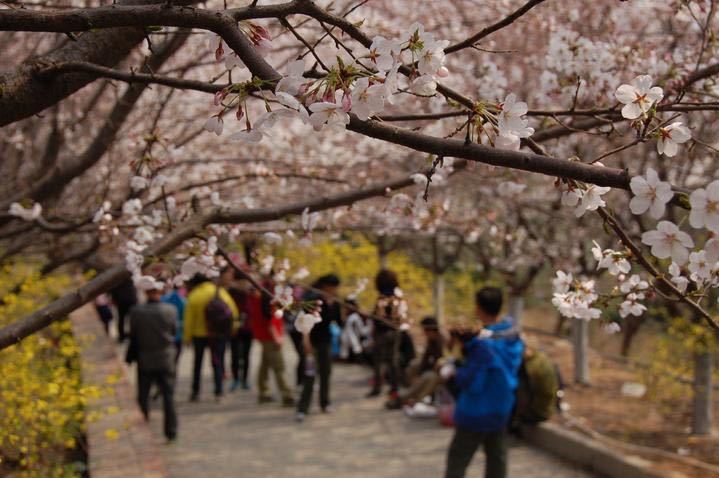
point(390, 321)
point(487, 382)
point(152, 344)
point(425, 376)
point(241, 339)
point(319, 341)
point(125, 297)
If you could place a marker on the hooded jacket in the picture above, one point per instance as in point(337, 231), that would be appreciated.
point(488, 379)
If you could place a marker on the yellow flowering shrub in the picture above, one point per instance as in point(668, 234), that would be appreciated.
point(354, 258)
point(42, 399)
point(672, 357)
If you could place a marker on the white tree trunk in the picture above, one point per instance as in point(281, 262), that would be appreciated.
point(580, 339)
point(516, 307)
point(703, 413)
point(438, 297)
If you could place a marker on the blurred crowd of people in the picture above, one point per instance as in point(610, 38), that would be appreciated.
point(481, 380)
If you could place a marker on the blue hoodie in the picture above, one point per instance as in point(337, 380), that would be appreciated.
point(488, 379)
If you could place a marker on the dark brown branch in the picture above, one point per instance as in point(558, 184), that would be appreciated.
point(508, 20)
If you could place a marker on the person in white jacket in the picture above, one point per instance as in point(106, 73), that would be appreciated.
point(355, 334)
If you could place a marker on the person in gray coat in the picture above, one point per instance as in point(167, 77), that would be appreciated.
point(152, 344)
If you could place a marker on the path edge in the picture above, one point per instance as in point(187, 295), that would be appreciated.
point(120, 444)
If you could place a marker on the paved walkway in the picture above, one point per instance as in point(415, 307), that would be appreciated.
point(239, 438)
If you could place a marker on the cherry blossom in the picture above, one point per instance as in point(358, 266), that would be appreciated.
point(330, 114)
point(383, 52)
point(292, 82)
point(591, 199)
point(26, 214)
point(699, 267)
point(214, 124)
point(147, 282)
point(305, 321)
point(431, 58)
point(638, 96)
point(705, 207)
point(669, 241)
point(562, 282)
point(672, 136)
point(650, 193)
point(634, 283)
point(138, 183)
point(424, 85)
point(631, 305)
point(419, 179)
point(367, 99)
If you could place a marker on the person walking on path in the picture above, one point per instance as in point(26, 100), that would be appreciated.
point(267, 329)
point(241, 339)
point(125, 297)
point(319, 341)
point(202, 292)
point(390, 318)
point(152, 344)
point(175, 298)
point(487, 382)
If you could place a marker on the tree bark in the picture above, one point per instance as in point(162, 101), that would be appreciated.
point(703, 412)
point(438, 296)
point(580, 339)
point(515, 307)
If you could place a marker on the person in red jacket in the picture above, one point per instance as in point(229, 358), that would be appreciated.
point(267, 329)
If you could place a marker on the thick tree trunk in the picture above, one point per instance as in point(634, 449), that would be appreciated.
point(580, 339)
point(703, 413)
point(438, 297)
point(515, 307)
point(631, 327)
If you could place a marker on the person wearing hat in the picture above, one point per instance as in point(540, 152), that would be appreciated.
point(427, 377)
point(153, 326)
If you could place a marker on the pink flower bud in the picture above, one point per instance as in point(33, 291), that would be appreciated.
point(346, 102)
point(443, 72)
point(240, 113)
point(219, 53)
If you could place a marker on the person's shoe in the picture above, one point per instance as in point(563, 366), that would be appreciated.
point(265, 400)
point(328, 409)
point(300, 417)
point(245, 385)
point(171, 440)
point(194, 398)
point(218, 398)
point(235, 385)
point(393, 404)
point(288, 402)
point(373, 393)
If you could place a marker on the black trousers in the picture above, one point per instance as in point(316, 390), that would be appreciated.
point(217, 356)
point(165, 380)
point(240, 344)
point(122, 310)
point(386, 357)
point(300, 349)
point(464, 445)
point(323, 360)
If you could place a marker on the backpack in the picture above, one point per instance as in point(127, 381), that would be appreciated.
point(218, 316)
point(537, 392)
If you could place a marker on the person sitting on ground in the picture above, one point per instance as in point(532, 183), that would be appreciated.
point(424, 374)
point(355, 333)
point(487, 382)
point(152, 344)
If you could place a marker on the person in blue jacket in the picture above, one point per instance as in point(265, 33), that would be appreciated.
point(486, 381)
